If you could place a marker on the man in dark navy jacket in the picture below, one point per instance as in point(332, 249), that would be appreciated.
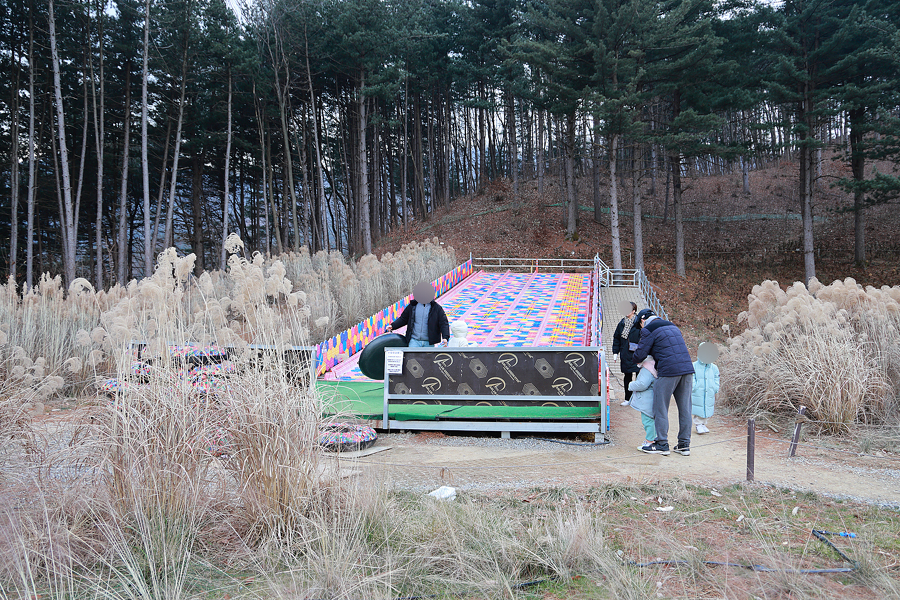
point(675, 370)
point(425, 319)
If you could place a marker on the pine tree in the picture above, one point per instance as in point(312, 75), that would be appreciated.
point(805, 39)
point(683, 63)
point(620, 30)
point(870, 87)
point(560, 53)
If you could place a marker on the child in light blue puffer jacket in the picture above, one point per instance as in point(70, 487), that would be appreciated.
point(705, 387)
point(642, 397)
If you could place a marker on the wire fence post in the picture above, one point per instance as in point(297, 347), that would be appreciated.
point(796, 438)
point(751, 448)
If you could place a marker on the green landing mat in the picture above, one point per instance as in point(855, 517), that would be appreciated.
point(360, 399)
point(365, 400)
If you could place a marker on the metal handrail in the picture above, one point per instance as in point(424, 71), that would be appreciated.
point(604, 276)
point(650, 294)
point(602, 270)
point(595, 302)
point(532, 264)
point(635, 278)
point(627, 277)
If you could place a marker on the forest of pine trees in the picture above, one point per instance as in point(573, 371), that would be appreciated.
point(127, 126)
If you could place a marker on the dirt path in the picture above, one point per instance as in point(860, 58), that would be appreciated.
point(428, 460)
point(717, 459)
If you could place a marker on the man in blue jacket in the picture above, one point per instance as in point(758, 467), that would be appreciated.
point(663, 340)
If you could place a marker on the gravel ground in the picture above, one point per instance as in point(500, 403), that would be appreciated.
point(525, 443)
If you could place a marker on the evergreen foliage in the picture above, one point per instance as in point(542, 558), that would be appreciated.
point(344, 119)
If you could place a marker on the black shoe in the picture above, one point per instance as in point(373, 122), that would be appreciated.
point(682, 449)
point(655, 448)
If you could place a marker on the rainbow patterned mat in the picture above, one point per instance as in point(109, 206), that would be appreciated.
point(511, 309)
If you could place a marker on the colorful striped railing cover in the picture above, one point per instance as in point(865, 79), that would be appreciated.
point(353, 340)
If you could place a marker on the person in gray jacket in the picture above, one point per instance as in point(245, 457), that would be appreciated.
point(675, 371)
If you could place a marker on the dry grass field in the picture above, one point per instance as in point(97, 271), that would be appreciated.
point(168, 491)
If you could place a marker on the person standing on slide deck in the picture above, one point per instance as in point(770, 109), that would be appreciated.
point(425, 320)
point(675, 372)
point(625, 342)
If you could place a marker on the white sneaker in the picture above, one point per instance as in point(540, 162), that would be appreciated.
point(701, 429)
point(626, 403)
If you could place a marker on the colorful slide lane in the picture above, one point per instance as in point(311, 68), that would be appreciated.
point(511, 309)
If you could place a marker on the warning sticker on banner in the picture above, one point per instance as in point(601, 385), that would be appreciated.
point(393, 362)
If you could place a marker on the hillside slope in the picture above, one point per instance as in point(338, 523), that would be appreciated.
point(733, 240)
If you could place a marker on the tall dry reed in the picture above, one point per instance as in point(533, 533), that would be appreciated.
point(57, 342)
point(834, 349)
point(152, 458)
point(340, 293)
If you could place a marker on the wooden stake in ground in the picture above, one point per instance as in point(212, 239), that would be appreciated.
point(796, 438)
point(751, 448)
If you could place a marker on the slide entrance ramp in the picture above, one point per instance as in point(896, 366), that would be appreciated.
point(507, 309)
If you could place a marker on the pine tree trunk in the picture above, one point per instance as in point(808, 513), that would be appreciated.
point(418, 161)
point(173, 183)
point(226, 187)
point(614, 201)
point(162, 187)
point(448, 143)
point(572, 202)
point(858, 167)
point(668, 181)
point(404, 184)
point(306, 195)
point(745, 174)
point(654, 160)
point(375, 182)
point(197, 163)
point(493, 159)
point(392, 203)
point(122, 261)
point(807, 157)
point(99, 137)
point(289, 165)
point(81, 161)
point(432, 192)
point(14, 169)
point(471, 158)
point(638, 213)
point(675, 165)
point(149, 236)
point(362, 166)
point(29, 236)
point(276, 221)
point(69, 217)
point(482, 163)
point(540, 153)
point(513, 146)
point(320, 179)
point(260, 123)
point(595, 178)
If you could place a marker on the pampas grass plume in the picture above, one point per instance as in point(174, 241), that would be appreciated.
point(184, 267)
point(833, 349)
point(95, 358)
point(233, 243)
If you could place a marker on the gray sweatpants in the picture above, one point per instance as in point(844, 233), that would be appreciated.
point(663, 389)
